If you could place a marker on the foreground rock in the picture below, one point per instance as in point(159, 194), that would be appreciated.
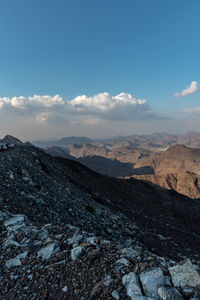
point(185, 275)
point(48, 266)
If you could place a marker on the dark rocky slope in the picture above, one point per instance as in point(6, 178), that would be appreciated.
point(44, 257)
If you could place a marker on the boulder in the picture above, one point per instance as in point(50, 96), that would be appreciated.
point(184, 275)
point(151, 280)
point(132, 285)
point(169, 294)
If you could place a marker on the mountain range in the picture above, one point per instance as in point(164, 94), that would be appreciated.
point(157, 158)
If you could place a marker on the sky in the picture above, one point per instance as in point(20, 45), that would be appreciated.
point(99, 68)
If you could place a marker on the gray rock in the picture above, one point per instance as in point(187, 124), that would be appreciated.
point(75, 239)
point(15, 262)
point(76, 252)
point(151, 281)
point(10, 241)
point(130, 252)
point(115, 295)
point(91, 240)
point(131, 283)
point(64, 289)
point(15, 223)
point(184, 275)
point(169, 294)
point(46, 252)
point(123, 261)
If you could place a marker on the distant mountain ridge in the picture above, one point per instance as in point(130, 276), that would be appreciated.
point(150, 142)
point(177, 158)
point(64, 142)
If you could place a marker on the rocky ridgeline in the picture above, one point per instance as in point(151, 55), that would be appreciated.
point(53, 262)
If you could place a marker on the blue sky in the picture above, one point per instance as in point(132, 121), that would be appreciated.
point(146, 48)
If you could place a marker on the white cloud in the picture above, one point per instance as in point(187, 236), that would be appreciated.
point(102, 106)
point(32, 103)
point(120, 107)
point(193, 88)
point(42, 117)
point(191, 111)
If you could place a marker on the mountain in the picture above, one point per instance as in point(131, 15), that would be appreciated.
point(10, 139)
point(109, 167)
point(64, 142)
point(122, 154)
point(67, 232)
point(100, 163)
point(178, 158)
point(186, 183)
point(155, 141)
point(190, 139)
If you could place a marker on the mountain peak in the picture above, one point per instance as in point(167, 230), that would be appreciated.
point(11, 139)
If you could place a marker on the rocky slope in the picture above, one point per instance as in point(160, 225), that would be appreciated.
point(70, 233)
point(53, 262)
point(177, 168)
point(185, 183)
point(122, 154)
point(178, 158)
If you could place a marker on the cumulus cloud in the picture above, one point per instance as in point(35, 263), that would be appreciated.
point(193, 88)
point(46, 108)
point(191, 111)
point(28, 105)
point(120, 107)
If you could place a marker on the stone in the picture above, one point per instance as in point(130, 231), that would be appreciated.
point(76, 252)
point(169, 293)
point(46, 252)
point(15, 262)
point(132, 285)
point(184, 275)
point(91, 240)
point(123, 261)
point(130, 252)
point(75, 239)
point(15, 223)
point(151, 280)
point(64, 289)
point(115, 295)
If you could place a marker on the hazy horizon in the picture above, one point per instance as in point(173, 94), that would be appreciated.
point(97, 139)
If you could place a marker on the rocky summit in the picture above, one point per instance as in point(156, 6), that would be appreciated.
point(70, 233)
